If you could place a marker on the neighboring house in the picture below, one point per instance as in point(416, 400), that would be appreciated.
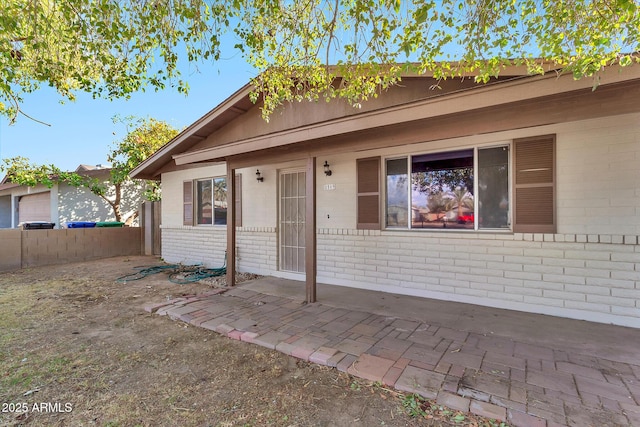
point(64, 203)
point(521, 194)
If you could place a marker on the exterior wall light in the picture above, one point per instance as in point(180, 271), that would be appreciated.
point(259, 176)
point(327, 171)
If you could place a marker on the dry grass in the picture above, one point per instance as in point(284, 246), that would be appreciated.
point(75, 340)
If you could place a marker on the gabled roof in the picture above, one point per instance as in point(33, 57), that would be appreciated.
point(231, 108)
point(5, 184)
point(84, 170)
point(516, 87)
point(93, 172)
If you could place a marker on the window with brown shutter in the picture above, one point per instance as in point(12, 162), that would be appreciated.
point(187, 203)
point(206, 208)
point(368, 189)
point(534, 186)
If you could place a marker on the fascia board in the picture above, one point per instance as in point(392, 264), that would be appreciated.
point(519, 89)
point(146, 168)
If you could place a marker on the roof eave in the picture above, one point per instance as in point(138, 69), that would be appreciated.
point(460, 102)
point(175, 150)
point(149, 168)
point(476, 98)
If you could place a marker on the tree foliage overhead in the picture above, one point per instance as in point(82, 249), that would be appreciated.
point(139, 143)
point(112, 48)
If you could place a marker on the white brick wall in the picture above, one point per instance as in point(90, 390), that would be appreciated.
point(550, 274)
point(598, 175)
point(256, 250)
point(536, 273)
point(194, 245)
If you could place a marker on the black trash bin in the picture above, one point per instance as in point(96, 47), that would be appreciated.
point(38, 225)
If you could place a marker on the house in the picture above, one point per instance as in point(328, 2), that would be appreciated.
point(64, 203)
point(523, 193)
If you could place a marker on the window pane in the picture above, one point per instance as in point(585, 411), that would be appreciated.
point(204, 199)
point(301, 260)
point(301, 211)
point(442, 190)
point(397, 193)
point(220, 201)
point(301, 183)
point(493, 187)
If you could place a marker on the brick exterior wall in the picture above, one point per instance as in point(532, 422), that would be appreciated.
point(257, 250)
point(256, 247)
point(594, 277)
point(194, 245)
point(591, 277)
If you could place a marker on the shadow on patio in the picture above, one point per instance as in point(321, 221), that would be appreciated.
point(527, 369)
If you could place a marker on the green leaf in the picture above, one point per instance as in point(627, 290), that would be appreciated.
point(114, 48)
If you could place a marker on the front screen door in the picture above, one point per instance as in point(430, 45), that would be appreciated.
point(292, 217)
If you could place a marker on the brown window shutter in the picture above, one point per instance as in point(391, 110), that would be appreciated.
point(368, 190)
point(238, 200)
point(534, 205)
point(187, 203)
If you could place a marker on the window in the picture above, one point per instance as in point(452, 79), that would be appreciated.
point(211, 201)
point(397, 193)
point(207, 199)
point(511, 186)
point(446, 190)
point(493, 187)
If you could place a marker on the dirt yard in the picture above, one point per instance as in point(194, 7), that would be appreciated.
point(77, 349)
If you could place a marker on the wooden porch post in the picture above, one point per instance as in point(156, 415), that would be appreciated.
point(310, 230)
point(231, 226)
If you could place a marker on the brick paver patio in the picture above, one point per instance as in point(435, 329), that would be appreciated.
point(508, 378)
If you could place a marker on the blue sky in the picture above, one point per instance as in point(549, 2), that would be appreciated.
point(82, 132)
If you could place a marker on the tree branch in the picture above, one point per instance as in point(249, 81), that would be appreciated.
point(332, 28)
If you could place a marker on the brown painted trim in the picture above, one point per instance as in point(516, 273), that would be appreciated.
point(310, 230)
point(454, 104)
point(374, 168)
point(188, 205)
point(584, 104)
point(193, 134)
point(239, 103)
point(537, 183)
point(172, 167)
point(231, 228)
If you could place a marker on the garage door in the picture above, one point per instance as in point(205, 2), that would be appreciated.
point(34, 207)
